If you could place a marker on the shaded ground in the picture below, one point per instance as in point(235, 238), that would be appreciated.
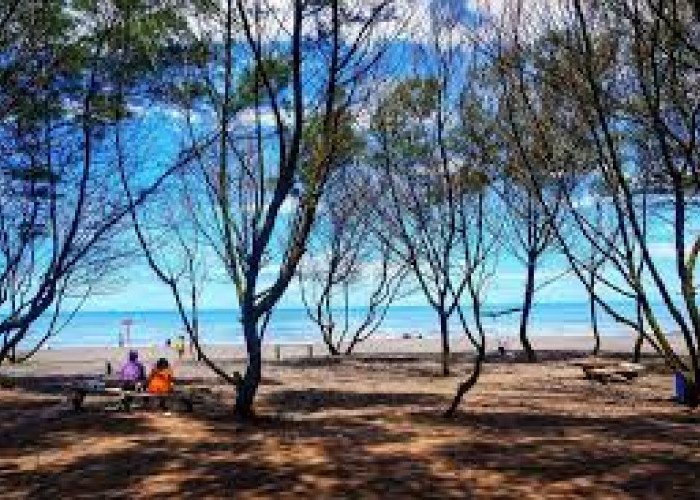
point(367, 429)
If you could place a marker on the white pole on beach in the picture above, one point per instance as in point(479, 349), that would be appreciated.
point(127, 322)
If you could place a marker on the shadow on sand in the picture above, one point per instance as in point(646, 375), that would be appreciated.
point(389, 446)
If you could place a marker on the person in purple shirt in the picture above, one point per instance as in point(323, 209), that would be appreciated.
point(132, 372)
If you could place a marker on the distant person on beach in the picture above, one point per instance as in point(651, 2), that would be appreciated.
point(161, 380)
point(180, 346)
point(132, 372)
point(501, 347)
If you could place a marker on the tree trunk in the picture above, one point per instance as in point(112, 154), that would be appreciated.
point(4, 353)
point(4, 346)
point(444, 336)
point(351, 346)
point(594, 322)
point(195, 328)
point(638, 348)
point(7, 351)
point(694, 392)
point(465, 386)
point(527, 307)
point(248, 386)
point(328, 340)
point(637, 354)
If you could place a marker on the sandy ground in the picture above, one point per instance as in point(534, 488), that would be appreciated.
point(364, 427)
point(93, 360)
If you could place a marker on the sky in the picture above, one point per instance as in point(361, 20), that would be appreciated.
point(142, 291)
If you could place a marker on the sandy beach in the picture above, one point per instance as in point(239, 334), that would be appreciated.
point(92, 360)
point(365, 426)
point(499, 202)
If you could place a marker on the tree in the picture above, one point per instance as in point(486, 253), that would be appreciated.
point(594, 267)
point(480, 227)
point(434, 214)
point(59, 210)
point(419, 214)
point(531, 231)
point(261, 180)
point(606, 69)
point(481, 247)
point(343, 252)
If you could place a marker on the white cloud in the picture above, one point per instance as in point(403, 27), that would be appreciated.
point(276, 20)
point(409, 20)
point(288, 207)
point(665, 249)
point(267, 118)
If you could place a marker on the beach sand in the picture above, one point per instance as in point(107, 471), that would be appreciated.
point(92, 360)
point(367, 426)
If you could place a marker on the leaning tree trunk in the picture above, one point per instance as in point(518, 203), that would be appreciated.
point(444, 337)
point(9, 347)
point(637, 353)
point(527, 308)
point(594, 319)
point(4, 345)
point(248, 386)
point(465, 386)
point(327, 334)
point(332, 349)
point(351, 346)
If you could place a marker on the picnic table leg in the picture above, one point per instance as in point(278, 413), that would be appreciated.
point(187, 401)
point(126, 403)
point(76, 397)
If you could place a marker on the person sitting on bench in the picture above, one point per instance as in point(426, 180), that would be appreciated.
point(161, 379)
point(132, 373)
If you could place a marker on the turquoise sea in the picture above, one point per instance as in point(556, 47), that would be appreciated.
point(293, 325)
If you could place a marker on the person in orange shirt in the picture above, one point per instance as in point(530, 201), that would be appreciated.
point(161, 379)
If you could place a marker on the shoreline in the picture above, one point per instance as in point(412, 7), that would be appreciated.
point(545, 338)
point(548, 340)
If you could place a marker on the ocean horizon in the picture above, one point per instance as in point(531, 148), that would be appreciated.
point(292, 325)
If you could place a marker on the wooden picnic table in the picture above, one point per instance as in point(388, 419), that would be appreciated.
point(593, 362)
point(187, 396)
point(608, 370)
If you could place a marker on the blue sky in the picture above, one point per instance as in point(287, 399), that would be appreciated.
point(142, 291)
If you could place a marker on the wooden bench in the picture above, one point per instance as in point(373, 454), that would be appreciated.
point(148, 399)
